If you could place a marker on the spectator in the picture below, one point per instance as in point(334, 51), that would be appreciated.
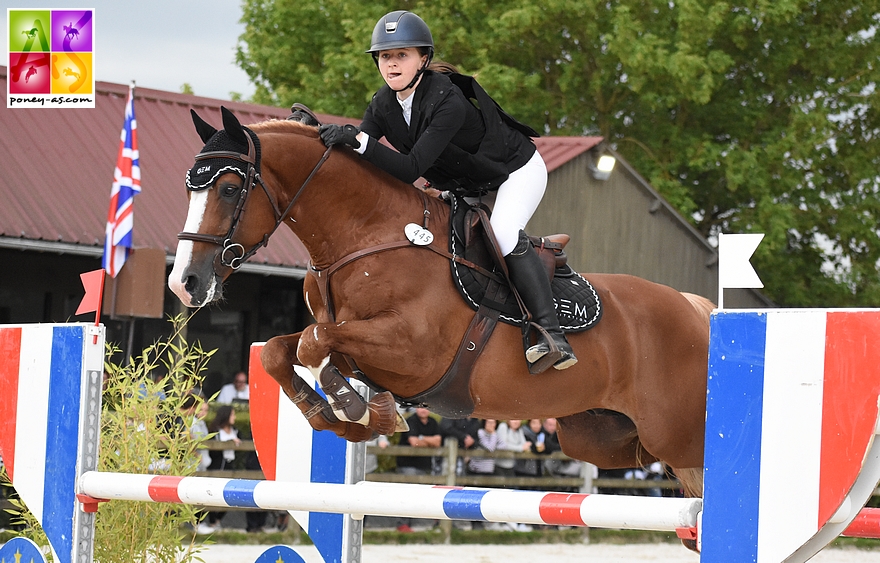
point(224, 427)
point(536, 436)
point(514, 441)
point(559, 467)
point(237, 391)
point(551, 442)
point(490, 440)
point(195, 405)
point(464, 430)
point(424, 432)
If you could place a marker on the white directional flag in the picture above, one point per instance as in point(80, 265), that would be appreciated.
point(734, 268)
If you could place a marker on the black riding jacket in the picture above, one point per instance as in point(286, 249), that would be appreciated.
point(449, 141)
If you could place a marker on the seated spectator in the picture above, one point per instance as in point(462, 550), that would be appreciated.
point(237, 391)
point(489, 440)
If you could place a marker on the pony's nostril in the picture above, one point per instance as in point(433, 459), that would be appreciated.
point(190, 283)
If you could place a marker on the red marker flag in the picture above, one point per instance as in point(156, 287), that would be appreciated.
point(93, 282)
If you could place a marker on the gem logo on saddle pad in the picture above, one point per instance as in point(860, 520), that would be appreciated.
point(577, 303)
point(792, 408)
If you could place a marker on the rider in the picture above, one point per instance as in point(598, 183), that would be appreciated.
point(481, 153)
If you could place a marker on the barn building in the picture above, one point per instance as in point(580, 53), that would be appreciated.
point(58, 167)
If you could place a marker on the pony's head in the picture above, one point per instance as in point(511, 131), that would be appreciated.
point(217, 237)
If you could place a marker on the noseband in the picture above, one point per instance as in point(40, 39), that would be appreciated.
point(233, 254)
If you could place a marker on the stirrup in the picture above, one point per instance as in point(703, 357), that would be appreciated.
point(549, 351)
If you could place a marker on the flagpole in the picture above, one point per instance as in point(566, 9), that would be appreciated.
point(720, 281)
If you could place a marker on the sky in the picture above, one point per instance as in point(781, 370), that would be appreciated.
point(160, 44)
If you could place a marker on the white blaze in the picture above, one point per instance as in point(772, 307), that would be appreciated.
point(198, 202)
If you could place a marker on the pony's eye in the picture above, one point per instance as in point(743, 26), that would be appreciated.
point(229, 190)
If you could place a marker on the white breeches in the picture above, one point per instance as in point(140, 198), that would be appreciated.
point(515, 201)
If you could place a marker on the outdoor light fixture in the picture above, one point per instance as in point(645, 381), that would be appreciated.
point(600, 165)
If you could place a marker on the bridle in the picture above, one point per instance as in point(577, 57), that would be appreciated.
point(233, 254)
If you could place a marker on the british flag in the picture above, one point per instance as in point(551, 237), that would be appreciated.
point(126, 184)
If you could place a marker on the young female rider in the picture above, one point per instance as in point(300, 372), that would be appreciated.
point(441, 136)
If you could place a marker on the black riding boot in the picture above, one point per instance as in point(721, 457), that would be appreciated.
point(528, 275)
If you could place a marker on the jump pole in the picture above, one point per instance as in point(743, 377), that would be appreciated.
point(720, 522)
point(412, 501)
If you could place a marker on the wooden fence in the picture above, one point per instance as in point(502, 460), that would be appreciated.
point(450, 452)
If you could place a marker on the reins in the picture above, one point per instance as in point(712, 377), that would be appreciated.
point(234, 249)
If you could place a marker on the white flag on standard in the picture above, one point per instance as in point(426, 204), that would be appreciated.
point(734, 268)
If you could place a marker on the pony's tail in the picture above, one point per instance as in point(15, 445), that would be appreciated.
point(703, 306)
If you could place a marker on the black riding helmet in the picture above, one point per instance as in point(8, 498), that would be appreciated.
point(400, 30)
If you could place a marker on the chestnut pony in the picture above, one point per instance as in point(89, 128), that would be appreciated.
point(637, 395)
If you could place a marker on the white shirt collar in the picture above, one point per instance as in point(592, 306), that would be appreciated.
point(406, 106)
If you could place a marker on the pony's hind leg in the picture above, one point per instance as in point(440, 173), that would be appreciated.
point(278, 359)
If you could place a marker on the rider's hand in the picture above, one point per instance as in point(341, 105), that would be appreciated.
point(339, 135)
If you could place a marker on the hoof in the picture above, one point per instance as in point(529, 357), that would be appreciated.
point(383, 413)
point(690, 544)
point(354, 432)
point(402, 425)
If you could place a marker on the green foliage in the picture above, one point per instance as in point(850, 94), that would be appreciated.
point(747, 115)
point(146, 429)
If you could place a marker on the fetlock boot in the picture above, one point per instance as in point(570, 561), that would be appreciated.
point(345, 401)
point(380, 414)
point(528, 275)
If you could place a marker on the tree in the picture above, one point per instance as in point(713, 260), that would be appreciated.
point(748, 116)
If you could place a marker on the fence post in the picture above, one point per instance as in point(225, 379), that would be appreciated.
point(451, 463)
point(589, 471)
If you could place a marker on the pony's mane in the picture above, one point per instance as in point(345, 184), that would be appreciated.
point(284, 126)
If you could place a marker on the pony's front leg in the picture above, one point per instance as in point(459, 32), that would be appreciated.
point(315, 345)
point(278, 358)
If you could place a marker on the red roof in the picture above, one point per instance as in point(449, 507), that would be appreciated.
point(57, 167)
point(556, 151)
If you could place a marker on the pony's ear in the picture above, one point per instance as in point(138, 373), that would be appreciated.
point(232, 127)
point(204, 130)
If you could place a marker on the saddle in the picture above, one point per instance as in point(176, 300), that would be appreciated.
point(475, 266)
point(475, 275)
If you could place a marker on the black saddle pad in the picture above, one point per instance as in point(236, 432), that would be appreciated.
point(577, 304)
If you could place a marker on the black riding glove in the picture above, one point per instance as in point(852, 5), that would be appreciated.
point(339, 135)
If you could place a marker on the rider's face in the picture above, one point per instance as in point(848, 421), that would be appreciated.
point(398, 66)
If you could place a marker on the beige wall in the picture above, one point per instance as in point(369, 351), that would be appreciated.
point(621, 225)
